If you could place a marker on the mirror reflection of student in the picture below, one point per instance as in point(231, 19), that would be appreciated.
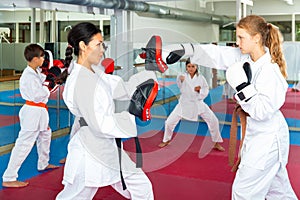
point(194, 89)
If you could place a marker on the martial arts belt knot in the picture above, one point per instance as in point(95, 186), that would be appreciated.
point(237, 112)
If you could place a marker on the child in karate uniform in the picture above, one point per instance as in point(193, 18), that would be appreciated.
point(34, 119)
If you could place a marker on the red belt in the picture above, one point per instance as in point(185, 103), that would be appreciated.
point(31, 103)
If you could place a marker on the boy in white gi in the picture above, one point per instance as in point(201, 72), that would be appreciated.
point(34, 118)
point(194, 89)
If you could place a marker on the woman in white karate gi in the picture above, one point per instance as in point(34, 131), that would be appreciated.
point(92, 159)
point(194, 89)
point(262, 172)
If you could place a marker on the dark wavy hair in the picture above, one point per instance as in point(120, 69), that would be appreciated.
point(188, 61)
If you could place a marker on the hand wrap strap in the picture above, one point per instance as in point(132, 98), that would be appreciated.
point(246, 93)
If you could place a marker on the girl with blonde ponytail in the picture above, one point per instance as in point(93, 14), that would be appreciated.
point(256, 70)
point(262, 172)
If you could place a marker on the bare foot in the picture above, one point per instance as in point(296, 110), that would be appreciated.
point(218, 147)
point(163, 144)
point(14, 184)
point(62, 161)
point(50, 166)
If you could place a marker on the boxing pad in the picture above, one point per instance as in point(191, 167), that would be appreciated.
point(142, 99)
point(109, 65)
point(50, 81)
point(153, 59)
point(239, 77)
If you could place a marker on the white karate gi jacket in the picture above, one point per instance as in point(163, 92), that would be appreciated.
point(90, 95)
point(266, 122)
point(32, 89)
point(190, 103)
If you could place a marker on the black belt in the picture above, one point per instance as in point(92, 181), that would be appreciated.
point(139, 159)
point(118, 141)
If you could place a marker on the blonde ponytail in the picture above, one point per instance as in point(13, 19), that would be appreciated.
point(274, 43)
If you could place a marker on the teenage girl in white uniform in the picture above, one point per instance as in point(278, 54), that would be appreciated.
point(262, 173)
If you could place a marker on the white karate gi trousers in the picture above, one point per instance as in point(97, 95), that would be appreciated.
point(138, 185)
point(206, 114)
point(22, 148)
point(272, 183)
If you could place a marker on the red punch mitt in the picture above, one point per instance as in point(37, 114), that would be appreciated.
point(153, 59)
